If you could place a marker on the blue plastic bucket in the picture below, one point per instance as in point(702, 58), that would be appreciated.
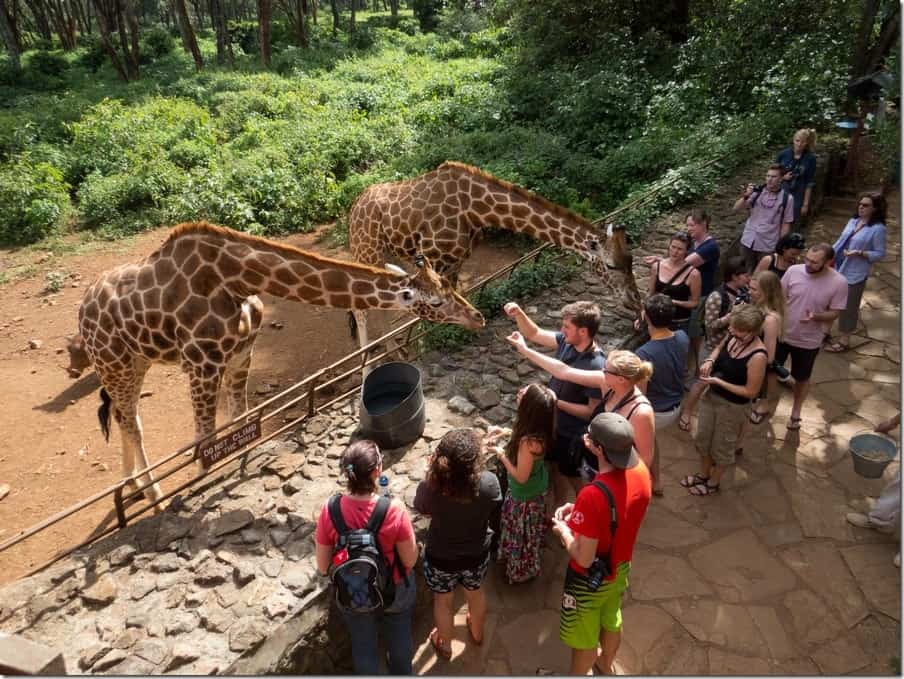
point(871, 454)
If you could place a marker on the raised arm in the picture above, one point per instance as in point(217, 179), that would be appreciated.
point(586, 378)
point(526, 326)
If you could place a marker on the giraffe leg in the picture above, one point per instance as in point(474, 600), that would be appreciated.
point(125, 392)
point(235, 379)
point(205, 386)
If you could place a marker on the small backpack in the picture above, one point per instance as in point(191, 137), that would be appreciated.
point(360, 573)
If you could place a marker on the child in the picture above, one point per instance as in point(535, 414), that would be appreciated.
point(524, 507)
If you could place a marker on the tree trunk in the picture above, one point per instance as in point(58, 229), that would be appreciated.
point(189, 42)
point(264, 14)
point(60, 14)
point(351, 23)
point(334, 7)
point(133, 46)
point(42, 24)
point(311, 9)
point(861, 45)
point(224, 44)
point(106, 23)
point(394, 8)
point(887, 36)
point(9, 37)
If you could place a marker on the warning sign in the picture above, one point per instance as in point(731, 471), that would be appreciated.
point(210, 452)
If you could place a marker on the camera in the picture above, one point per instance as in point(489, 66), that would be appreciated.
point(598, 571)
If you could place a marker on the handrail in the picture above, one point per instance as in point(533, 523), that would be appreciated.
point(314, 386)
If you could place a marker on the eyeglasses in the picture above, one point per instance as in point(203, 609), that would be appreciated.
point(865, 205)
point(592, 440)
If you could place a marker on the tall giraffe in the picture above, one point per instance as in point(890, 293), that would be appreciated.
point(442, 214)
point(194, 302)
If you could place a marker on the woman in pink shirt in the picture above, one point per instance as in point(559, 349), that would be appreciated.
point(361, 465)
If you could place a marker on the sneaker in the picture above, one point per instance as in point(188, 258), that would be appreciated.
point(859, 520)
point(897, 560)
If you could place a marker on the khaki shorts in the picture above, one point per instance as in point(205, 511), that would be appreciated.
point(718, 424)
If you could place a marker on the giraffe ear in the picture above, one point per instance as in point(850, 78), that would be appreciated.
point(396, 269)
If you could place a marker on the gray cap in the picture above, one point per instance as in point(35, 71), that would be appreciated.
point(615, 435)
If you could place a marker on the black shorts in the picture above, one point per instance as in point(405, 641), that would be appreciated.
point(562, 457)
point(802, 360)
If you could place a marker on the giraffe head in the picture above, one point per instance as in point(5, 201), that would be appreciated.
point(432, 297)
point(78, 356)
point(613, 259)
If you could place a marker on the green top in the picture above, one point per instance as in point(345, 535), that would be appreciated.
point(536, 483)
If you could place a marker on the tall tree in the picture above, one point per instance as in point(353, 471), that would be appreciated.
point(107, 12)
point(264, 17)
point(334, 8)
point(10, 35)
point(295, 11)
point(189, 42)
point(224, 44)
point(874, 42)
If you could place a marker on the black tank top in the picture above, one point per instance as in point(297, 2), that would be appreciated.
point(680, 291)
point(732, 370)
point(774, 269)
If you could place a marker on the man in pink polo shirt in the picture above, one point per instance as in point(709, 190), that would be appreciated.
point(816, 294)
point(771, 213)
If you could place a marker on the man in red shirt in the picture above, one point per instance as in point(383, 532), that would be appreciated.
point(596, 538)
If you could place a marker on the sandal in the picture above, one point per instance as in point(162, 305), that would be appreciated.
point(794, 423)
point(756, 417)
point(837, 347)
point(658, 492)
point(684, 423)
point(475, 640)
point(695, 480)
point(703, 489)
point(437, 642)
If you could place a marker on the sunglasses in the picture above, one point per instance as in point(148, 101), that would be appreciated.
point(865, 205)
point(612, 372)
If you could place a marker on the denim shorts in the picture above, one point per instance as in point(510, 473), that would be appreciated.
point(443, 582)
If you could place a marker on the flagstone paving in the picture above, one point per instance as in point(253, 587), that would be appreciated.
point(767, 577)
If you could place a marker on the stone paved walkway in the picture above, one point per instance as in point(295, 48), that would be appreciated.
point(766, 577)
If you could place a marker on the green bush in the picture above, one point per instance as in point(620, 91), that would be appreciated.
point(158, 42)
point(92, 55)
point(34, 200)
point(48, 63)
point(427, 13)
point(362, 38)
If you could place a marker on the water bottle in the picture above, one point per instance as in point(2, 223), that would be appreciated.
point(384, 485)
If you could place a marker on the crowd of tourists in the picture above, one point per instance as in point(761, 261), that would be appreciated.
point(582, 456)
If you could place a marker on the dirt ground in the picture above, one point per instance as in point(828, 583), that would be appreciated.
point(53, 454)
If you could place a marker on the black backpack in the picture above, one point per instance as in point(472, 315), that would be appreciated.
point(360, 573)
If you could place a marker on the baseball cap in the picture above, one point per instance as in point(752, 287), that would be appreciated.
point(615, 435)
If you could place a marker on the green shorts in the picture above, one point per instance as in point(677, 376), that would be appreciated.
point(584, 614)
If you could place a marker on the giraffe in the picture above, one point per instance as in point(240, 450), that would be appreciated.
point(194, 302)
point(442, 214)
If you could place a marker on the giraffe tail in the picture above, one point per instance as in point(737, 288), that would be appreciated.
point(103, 414)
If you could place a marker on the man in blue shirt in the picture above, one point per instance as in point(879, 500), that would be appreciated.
point(575, 346)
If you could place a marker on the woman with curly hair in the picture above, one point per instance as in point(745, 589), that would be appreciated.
point(460, 500)
point(524, 508)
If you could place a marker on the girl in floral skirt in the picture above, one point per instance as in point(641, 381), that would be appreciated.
point(524, 508)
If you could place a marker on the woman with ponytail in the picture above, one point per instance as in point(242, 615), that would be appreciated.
point(799, 163)
point(361, 465)
point(459, 499)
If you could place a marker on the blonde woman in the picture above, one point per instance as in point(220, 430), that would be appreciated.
point(619, 380)
point(766, 294)
point(734, 373)
point(799, 163)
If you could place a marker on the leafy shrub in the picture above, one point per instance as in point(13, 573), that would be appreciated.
point(54, 281)
point(459, 23)
point(46, 63)
point(158, 41)
point(92, 56)
point(34, 200)
point(362, 38)
point(427, 13)
point(8, 74)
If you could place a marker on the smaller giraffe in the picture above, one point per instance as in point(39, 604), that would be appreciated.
point(194, 302)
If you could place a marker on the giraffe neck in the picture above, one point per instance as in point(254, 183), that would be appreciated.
point(501, 204)
point(249, 265)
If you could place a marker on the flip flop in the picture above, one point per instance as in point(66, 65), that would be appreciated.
point(794, 423)
point(437, 643)
point(471, 631)
point(695, 480)
point(837, 348)
point(756, 417)
point(703, 489)
point(684, 423)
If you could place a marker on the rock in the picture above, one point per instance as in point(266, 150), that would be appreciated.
point(247, 633)
point(485, 397)
point(175, 597)
point(294, 484)
point(279, 536)
point(167, 562)
point(498, 415)
point(183, 653)
point(181, 623)
point(251, 536)
point(152, 651)
point(277, 605)
point(171, 528)
point(4, 490)
point(231, 522)
point(212, 573)
point(101, 593)
point(110, 659)
point(35, 344)
point(215, 618)
point(128, 638)
point(272, 567)
point(122, 555)
point(461, 405)
point(141, 585)
point(92, 654)
point(140, 620)
point(243, 573)
point(298, 578)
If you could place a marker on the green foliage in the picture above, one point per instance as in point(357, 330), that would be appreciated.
point(92, 55)
point(363, 38)
point(48, 63)
point(34, 200)
point(526, 280)
point(158, 42)
point(54, 281)
point(427, 13)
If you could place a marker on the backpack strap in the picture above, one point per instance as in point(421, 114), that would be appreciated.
point(781, 217)
point(613, 516)
point(336, 516)
point(378, 514)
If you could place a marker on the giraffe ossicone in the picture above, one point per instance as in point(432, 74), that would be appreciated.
point(442, 214)
point(194, 302)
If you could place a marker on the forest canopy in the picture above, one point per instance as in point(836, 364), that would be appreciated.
point(120, 115)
